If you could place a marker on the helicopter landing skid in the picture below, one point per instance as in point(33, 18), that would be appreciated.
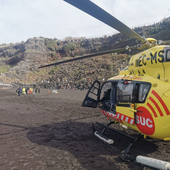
point(124, 154)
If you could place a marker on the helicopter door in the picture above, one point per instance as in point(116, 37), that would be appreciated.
point(108, 96)
point(92, 96)
point(125, 101)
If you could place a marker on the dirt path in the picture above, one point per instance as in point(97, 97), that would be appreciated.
point(53, 132)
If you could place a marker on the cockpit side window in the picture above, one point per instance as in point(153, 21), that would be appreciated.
point(143, 92)
point(105, 91)
point(125, 92)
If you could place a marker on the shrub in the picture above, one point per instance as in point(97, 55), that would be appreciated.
point(109, 66)
point(69, 46)
point(50, 44)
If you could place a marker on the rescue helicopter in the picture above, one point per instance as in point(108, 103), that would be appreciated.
point(138, 97)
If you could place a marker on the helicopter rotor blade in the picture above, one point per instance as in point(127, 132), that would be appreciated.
point(86, 56)
point(92, 9)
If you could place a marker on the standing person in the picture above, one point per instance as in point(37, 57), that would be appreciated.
point(36, 90)
point(30, 91)
point(23, 90)
point(19, 91)
point(27, 90)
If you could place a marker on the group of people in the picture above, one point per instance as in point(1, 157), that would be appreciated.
point(23, 90)
point(37, 90)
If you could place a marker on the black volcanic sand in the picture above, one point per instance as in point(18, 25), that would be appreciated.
point(53, 132)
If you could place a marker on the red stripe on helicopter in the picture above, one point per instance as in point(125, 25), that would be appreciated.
point(161, 101)
point(118, 117)
point(152, 109)
point(154, 102)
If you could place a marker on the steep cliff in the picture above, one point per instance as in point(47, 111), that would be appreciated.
point(20, 61)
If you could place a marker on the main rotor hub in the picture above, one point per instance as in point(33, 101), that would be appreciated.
point(151, 40)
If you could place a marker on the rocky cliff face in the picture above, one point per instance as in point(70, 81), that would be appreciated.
point(24, 57)
point(21, 60)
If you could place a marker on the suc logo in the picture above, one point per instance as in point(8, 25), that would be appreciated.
point(144, 121)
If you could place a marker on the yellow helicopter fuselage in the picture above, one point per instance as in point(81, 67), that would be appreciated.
point(152, 117)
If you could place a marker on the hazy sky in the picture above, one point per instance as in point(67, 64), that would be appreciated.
point(23, 19)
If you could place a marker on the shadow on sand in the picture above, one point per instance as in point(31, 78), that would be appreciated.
point(77, 138)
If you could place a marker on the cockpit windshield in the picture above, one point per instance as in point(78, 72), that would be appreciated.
point(124, 92)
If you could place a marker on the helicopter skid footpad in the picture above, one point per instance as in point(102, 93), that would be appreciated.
point(103, 138)
point(106, 140)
